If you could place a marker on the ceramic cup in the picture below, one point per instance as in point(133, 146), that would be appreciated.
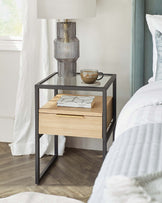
point(90, 76)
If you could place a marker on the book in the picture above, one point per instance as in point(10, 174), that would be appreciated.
point(76, 101)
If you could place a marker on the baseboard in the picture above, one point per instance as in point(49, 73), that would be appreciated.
point(86, 143)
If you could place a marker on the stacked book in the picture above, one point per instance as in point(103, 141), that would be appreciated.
point(76, 101)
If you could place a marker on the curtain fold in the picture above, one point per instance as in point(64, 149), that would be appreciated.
point(37, 62)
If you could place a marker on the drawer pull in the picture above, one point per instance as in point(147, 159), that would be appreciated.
point(69, 116)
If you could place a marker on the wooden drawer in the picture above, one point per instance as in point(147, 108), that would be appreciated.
point(78, 122)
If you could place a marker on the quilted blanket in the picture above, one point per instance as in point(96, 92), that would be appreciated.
point(137, 152)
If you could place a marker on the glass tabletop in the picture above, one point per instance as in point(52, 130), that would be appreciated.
point(75, 81)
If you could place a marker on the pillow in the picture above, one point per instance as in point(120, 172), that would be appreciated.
point(154, 23)
point(158, 39)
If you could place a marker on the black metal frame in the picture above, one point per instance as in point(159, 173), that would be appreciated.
point(106, 132)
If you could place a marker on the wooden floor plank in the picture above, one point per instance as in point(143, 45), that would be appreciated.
point(73, 175)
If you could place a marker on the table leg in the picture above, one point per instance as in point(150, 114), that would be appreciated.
point(114, 106)
point(56, 144)
point(37, 137)
point(104, 123)
point(113, 134)
point(56, 136)
point(38, 175)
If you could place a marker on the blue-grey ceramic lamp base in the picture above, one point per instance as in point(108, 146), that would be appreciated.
point(66, 49)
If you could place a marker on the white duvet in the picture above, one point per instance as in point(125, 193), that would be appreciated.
point(137, 150)
point(122, 189)
point(137, 111)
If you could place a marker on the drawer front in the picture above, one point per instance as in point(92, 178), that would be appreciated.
point(70, 125)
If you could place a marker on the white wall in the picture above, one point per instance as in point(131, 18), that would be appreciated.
point(9, 67)
point(104, 44)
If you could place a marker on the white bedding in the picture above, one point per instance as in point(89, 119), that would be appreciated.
point(122, 189)
point(137, 111)
point(137, 149)
point(35, 197)
point(137, 152)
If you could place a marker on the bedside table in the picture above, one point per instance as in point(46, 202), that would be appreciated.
point(97, 122)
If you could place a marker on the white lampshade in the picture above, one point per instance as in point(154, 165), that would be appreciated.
point(66, 9)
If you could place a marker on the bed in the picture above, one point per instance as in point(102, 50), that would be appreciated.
point(132, 169)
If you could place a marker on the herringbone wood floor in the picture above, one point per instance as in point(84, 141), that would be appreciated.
point(73, 175)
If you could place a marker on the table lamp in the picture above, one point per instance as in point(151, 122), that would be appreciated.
point(66, 45)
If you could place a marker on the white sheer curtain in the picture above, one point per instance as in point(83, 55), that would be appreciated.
point(36, 63)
